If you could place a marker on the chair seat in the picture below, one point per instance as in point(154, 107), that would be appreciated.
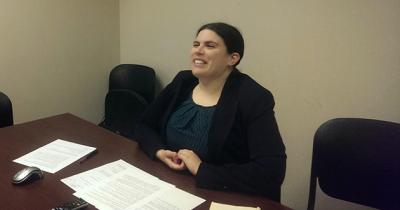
point(123, 109)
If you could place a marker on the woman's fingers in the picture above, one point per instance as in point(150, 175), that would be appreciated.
point(171, 159)
point(190, 159)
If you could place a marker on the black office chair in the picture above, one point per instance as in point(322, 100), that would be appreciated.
point(6, 113)
point(131, 89)
point(357, 160)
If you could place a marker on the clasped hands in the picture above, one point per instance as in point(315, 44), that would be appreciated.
point(181, 160)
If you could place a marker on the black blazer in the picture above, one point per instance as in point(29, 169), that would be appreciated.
point(245, 149)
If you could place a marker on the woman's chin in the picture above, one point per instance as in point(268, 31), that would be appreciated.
point(197, 72)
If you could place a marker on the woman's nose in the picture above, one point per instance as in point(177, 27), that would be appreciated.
point(199, 49)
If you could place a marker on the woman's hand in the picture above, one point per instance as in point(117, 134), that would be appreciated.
point(171, 159)
point(190, 159)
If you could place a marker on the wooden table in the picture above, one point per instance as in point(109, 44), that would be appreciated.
point(49, 192)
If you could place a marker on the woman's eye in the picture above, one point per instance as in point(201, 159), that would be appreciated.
point(211, 46)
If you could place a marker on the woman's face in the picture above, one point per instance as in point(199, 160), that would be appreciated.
point(209, 56)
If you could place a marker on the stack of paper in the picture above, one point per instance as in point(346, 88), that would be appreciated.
point(121, 186)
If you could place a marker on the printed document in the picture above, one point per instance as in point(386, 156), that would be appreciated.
point(121, 186)
point(56, 155)
point(92, 177)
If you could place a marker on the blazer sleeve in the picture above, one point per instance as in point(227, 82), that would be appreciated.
point(148, 131)
point(264, 172)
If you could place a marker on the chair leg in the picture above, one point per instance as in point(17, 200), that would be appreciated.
point(312, 191)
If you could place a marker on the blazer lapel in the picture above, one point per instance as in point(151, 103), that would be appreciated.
point(224, 115)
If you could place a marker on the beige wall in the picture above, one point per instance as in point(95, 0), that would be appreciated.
point(321, 59)
point(55, 55)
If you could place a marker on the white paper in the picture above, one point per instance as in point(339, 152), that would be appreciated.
point(56, 155)
point(95, 176)
point(221, 206)
point(170, 199)
point(121, 186)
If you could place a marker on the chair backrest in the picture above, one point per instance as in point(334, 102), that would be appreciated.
point(131, 89)
point(138, 78)
point(6, 113)
point(357, 160)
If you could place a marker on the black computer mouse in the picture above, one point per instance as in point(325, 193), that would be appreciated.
point(27, 175)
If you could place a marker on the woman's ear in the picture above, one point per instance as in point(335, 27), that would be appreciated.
point(234, 58)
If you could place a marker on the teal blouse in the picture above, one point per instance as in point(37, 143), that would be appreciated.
point(188, 127)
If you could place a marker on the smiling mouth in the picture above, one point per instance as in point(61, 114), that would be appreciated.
point(198, 61)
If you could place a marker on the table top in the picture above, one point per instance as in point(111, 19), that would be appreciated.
point(49, 192)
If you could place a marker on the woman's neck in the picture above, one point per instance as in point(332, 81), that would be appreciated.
point(208, 91)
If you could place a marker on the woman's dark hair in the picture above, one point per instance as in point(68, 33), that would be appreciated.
point(232, 37)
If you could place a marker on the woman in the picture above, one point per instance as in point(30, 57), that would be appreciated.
point(217, 122)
